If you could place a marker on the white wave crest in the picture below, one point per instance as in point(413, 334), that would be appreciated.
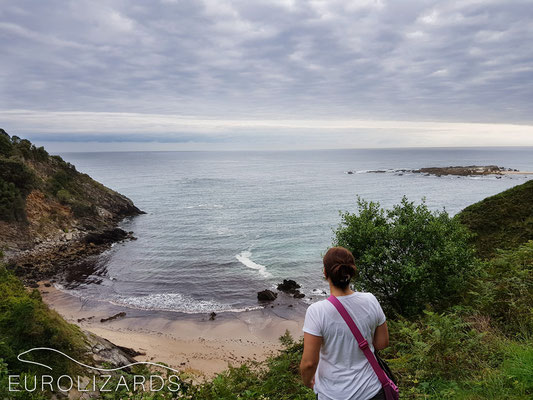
point(175, 302)
point(244, 258)
point(161, 302)
point(206, 206)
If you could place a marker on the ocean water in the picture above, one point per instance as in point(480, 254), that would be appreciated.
point(221, 226)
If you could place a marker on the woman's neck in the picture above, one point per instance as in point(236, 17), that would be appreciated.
point(335, 291)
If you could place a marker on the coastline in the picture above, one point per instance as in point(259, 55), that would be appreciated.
point(192, 343)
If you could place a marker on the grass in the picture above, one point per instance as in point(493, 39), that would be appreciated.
point(503, 221)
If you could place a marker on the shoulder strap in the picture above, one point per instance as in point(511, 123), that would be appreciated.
point(361, 341)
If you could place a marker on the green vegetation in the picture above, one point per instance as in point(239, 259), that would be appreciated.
point(25, 167)
point(503, 221)
point(409, 257)
point(26, 322)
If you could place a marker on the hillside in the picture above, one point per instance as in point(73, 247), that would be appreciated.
point(51, 214)
point(503, 221)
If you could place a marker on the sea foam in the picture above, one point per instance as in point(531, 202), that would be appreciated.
point(244, 258)
point(175, 302)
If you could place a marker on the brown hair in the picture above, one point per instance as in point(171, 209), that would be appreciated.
point(339, 266)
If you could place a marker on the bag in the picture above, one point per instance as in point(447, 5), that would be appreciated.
point(389, 387)
point(385, 367)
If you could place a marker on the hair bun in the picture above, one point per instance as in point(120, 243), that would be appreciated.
point(339, 266)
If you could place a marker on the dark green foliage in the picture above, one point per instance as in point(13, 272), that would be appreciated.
point(22, 166)
point(16, 172)
point(5, 144)
point(453, 355)
point(441, 346)
point(66, 186)
point(11, 202)
point(16, 181)
point(26, 322)
point(409, 257)
point(504, 291)
point(503, 221)
point(20, 148)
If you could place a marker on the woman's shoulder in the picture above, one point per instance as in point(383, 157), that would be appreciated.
point(319, 306)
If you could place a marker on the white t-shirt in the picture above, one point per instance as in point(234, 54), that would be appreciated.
point(343, 371)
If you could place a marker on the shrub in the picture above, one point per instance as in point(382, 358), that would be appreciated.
point(18, 173)
point(5, 144)
point(11, 202)
point(26, 322)
point(409, 257)
point(441, 346)
point(504, 291)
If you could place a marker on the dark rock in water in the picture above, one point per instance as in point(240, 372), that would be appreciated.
point(119, 315)
point(212, 316)
point(350, 172)
point(266, 295)
point(107, 236)
point(298, 295)
point(47, 284)
point(290, 305)
point(288, 286)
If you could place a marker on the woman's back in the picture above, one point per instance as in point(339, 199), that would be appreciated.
point(343, 371)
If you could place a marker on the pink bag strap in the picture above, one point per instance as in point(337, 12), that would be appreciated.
point(361, 341)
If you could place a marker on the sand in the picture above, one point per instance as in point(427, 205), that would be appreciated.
point(193, 344)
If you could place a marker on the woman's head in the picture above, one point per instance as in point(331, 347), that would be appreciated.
point(339, 266)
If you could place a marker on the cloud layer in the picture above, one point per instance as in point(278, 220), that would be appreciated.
point(334, 60)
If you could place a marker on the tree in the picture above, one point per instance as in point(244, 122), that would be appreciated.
point(409, 256)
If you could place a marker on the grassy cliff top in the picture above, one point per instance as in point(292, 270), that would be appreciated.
point(503, 221)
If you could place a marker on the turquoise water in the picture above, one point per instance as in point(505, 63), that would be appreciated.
point(221, 226)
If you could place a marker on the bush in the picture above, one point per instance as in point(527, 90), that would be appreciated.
point(11, 202)
point(504, 292)
point(441, 346)
point(18, 173)
point(26, 322)
point(409, 257)
point(5, 144)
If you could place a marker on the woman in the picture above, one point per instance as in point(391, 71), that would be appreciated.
point(332, 363)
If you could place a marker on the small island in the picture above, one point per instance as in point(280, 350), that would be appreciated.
point(470, 170)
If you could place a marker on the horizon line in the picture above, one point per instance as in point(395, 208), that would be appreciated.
point(293, 150)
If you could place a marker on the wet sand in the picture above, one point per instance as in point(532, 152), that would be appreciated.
point(192, 343)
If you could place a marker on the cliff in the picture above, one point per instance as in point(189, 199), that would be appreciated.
point(51, 215)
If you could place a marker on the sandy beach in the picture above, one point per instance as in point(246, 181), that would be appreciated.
point(194, 344)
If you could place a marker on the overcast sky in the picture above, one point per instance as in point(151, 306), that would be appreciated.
point(274, 74)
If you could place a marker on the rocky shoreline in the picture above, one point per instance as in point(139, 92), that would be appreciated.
point(470, 170)
point(55, 256)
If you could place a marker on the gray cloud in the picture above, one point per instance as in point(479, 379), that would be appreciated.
point(409, 60)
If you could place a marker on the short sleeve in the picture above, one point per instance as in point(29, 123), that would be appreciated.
point(312, 321)
point(380, 315)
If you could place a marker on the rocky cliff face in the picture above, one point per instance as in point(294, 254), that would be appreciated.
point(51, 215)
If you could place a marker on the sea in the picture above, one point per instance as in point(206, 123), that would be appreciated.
point(221, 226)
